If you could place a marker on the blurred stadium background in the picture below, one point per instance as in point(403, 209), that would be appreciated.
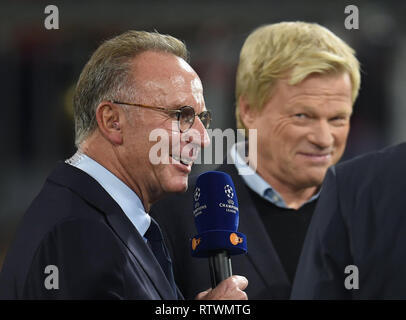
point(39, 68)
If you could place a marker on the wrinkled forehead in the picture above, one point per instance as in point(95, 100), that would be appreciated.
point(162, 68)
point(166, 78)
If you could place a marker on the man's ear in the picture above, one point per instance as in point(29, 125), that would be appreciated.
point(108, 117)
point(247, 113)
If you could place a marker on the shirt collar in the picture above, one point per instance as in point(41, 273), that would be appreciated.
point(254, 181)
point(126, 198)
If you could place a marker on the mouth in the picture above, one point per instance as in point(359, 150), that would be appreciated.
point(320, 158)
point(185, 161)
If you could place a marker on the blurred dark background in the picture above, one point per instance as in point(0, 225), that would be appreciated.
point(39, 68)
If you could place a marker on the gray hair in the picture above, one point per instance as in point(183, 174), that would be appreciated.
point(107, 76)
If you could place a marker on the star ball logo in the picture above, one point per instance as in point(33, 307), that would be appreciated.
point(229, 191)
point(230, 206)
point(197, 194)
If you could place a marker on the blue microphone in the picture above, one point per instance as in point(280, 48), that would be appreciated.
point(215, 208)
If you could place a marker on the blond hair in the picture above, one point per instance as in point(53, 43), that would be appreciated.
point(294, 49)
point(107, 76)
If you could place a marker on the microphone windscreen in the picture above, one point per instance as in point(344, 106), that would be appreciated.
point(215, 204)
point(215, 207)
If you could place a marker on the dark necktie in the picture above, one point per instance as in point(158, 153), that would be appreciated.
point(155, 242)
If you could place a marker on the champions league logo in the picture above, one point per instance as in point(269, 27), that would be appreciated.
point(229, 191)
point(197, 194)
point(229, 207)
point(198, 209)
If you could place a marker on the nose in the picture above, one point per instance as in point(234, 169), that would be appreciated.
point(321, 135)
point(198, 134)
point(205, 139)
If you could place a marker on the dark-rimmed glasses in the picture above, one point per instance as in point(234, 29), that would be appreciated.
point(185, 115)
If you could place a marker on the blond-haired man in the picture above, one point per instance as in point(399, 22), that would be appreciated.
point(88, 234)
point(296, 85)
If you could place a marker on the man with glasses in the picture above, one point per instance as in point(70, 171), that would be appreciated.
point(185, 116)
point(88, 234)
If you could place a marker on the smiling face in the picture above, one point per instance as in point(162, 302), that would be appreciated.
point(167, 81)
point(302, 130)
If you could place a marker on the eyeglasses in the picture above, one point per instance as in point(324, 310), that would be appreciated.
point(185, 115)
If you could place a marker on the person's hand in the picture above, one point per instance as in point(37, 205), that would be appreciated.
point(228, 289)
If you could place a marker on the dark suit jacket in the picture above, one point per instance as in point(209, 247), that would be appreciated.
point(360, 220)
point(261, 266)
point(76, 226)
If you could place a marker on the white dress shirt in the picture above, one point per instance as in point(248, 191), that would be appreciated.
point(126, 198)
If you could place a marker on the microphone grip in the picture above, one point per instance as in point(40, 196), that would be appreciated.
point(220, 267)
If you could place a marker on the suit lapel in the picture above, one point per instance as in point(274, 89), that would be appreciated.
point(261, 253)
point(136, 244)
point(92, 192)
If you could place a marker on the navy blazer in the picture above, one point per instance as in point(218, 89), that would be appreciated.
point(360, 221)
point(262, 267)
point(75, 225)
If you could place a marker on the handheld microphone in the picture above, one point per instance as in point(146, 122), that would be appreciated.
point(215, 208)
